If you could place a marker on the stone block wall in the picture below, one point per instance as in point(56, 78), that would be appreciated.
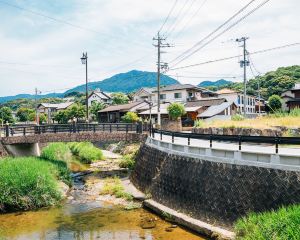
point(3, 152)
point(171, 125)
point(239, 131)
point(212, 191)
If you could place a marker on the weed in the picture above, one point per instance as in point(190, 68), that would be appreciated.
point(113, 186)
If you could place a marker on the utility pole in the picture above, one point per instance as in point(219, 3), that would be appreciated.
point(36, 106)
point(160, 66)
point(244, 63)
point(84, 60)
point(259, 109)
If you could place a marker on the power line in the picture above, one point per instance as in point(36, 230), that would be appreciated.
point(201, 76)
point(236, 56)
point(178, 22)
point(176, 18)
point(169, 14)
point(224, 31)
point(213, 32)
point(190, 19)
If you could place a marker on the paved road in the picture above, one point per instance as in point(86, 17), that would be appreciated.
point(258, 148)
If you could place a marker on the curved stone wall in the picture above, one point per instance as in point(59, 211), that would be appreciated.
point(212, 191)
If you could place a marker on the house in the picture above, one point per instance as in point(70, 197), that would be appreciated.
point(98, 96)
point(291, 98)
point(238, 98)
point(50, 108)
point(114, 113)
point(173, 93)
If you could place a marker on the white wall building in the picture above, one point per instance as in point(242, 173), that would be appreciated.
point(98, 96)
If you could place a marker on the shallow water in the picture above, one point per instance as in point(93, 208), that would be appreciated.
point(87, 221)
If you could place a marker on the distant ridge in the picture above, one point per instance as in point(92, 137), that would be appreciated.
point(218, 83)
point(122, 82)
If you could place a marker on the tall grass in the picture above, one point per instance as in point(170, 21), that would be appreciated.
point(86, 152)
point(113, 186)
point(59, 155)
point(282, 224)
point(27, 183)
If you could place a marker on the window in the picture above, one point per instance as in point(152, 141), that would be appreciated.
point(239, 99)
point(177, 95)
point(162, 96)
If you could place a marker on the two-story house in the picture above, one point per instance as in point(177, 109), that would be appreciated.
point(51, 108)
point(173, 93)
point(238, 98)
point(98, 96)
point(291, 98)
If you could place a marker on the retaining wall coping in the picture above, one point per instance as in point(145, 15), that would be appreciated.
point(274, 161)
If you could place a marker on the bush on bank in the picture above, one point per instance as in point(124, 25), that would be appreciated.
point(282, 224)
point(27, 183)
point(86, 152)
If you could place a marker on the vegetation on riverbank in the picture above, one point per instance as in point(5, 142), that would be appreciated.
point(113, 186)
point(86, 152)
point(281, 224)
point(284, 119)
point(28, 183)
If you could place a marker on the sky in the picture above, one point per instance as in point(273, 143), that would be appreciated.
point(40, 52)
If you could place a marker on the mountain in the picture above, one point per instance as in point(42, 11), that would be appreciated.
point(126, 82)
point(217, 84)
point(123, 82)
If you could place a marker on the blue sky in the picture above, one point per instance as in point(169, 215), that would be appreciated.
point(39, 52)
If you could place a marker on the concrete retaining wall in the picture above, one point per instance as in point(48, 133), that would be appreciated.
point(212, 191)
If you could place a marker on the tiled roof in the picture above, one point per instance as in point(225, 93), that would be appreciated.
point(214, 110)
point(226, 91)
point(121, 107)
point(57, 106)
point(182, 87)
point(205, 102)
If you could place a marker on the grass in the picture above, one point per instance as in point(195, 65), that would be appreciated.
point(128, 161)
point(27, 183)
point(86, 152)
point(113, 186)
point(57, 151)
point(282, 224)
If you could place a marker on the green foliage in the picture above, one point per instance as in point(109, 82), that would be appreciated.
point(199, 123)
point(43, 118)
point(95, 108)
point(74, 94)
point(281, 224)
point(27, 183)
point(76, 111)
point(6, 115)
point(128, 161)
point(86, 152)
point(237, 117)
point(176, 110)
point(275, 103)
point(113, 186)
point(29, 103)
point(119, 98)
point(130, 117)
point(23, 114)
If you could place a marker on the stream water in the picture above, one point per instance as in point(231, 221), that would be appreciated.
point(79, 219)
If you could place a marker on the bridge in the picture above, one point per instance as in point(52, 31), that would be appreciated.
point(26, 140)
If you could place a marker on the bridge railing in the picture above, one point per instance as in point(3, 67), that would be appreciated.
point(277, 140)
point(24, 130)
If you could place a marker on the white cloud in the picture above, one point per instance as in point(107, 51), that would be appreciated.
point(124, 35)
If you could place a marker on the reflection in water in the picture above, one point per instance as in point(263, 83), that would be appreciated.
point(84, 221)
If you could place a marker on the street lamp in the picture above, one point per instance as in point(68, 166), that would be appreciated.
point(84, 61)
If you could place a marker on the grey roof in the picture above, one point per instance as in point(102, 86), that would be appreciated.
point(205, 102)
point(182, 87)
point(101, 94)
point(57, 106)
point(120, 107)
point(215, 110)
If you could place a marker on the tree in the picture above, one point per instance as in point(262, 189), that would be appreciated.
point(119, 98)
point(23, 114)
point(176, 110)
point(76, 111)
point(275, 103)
point(61, 117)
point(6, 115)
point(95, 108)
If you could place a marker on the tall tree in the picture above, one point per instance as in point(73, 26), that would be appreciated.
point(6, 115)
point(119, 98)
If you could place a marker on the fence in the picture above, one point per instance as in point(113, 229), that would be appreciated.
point(230, 138)
point(24, 130)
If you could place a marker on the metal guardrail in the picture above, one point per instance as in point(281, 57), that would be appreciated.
point(9, 131)
point(229, 138)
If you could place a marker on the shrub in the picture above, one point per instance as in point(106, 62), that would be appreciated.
point(130, 117)
point(27, 183)
point(275, 102)
point(86, 152)
point(237, 117)
point(176, 110)
point(280, 224)
point(56, 151)
point(199, 123)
